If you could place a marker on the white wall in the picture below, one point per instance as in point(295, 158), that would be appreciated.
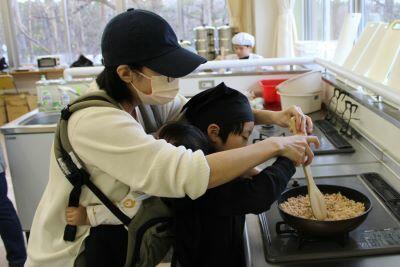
point(191, 85)
point(265, 14)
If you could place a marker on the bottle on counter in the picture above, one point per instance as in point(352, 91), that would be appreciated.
point(47, 100)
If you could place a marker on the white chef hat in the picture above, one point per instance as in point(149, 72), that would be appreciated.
point(243, 38)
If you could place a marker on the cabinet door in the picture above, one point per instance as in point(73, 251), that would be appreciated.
point(28, 158)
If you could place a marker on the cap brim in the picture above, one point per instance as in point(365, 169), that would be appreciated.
point(177, 63)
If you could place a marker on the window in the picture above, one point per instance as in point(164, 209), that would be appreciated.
point(319, 23)
point(86, 21)
point(337, 11)
point(72, 27)
point(380, 10)
point(197, 13)
point(165, 8)
point(299, 17)
point(315, 13)
point(320, 20)
point(40, 29)
point(3, 47)
point(184, 15)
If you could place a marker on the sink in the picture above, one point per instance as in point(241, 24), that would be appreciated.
point(42, 118)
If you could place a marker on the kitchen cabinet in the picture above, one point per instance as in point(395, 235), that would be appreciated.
point(28, 157)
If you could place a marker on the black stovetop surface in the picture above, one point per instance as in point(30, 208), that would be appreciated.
point(326, 146)
point(378, 234)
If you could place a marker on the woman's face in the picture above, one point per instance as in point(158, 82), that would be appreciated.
point(133, 76)
point(142, 83)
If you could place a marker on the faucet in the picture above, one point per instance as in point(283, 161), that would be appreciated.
point(67, 89)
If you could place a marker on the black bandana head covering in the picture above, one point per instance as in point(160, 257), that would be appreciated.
point(219, 105)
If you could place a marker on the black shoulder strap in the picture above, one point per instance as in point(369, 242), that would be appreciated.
point(73, 167)
point(151, 118)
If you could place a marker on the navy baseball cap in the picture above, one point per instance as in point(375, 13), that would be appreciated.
point(142, 37)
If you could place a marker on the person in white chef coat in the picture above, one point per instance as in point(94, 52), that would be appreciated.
point(142, 60)
point(243, 44)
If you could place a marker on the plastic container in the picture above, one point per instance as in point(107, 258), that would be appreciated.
point(270, 91)
point(306, 83)
point(307, 102)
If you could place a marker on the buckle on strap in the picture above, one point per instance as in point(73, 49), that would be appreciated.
point(66, 113)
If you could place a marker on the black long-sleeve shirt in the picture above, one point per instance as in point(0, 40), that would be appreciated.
point(209, 230)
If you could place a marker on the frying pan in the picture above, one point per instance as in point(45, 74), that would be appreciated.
point(325, 228)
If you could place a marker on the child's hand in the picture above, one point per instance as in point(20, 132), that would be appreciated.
point(77, 216)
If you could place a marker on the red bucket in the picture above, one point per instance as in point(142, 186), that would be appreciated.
point(269, 91)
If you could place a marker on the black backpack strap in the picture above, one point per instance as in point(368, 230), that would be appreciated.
point(73, 167)
point(157, 116)
point(151, 118)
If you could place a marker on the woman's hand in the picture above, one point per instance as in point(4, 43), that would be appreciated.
point(297, 148)
point(304, 123)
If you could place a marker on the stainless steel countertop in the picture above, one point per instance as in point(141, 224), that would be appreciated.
point(15, 127)
point(367, 158)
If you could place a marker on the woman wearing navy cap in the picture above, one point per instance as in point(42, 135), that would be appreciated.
point(142, 57)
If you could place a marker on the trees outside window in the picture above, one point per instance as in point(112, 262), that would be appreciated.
point(40, 28)
point(184, 15)
point(62, 27)
point(86, 21)
point(73, 27)
point(381, 10)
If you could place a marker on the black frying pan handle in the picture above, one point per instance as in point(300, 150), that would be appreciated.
point(280, 231)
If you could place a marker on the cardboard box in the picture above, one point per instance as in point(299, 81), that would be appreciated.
point(15, 99)
point(16, 106)
point(32, 101)
point(6, 82)
point(3, 115)
point(14, 112)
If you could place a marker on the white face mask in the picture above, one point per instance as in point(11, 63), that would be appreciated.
point(164, 89)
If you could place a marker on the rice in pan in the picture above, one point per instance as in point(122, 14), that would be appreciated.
point(338, 206)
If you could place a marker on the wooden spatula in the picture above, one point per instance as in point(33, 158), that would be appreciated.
point(317, 200)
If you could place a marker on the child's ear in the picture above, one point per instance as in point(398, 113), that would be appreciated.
point(213, 132)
